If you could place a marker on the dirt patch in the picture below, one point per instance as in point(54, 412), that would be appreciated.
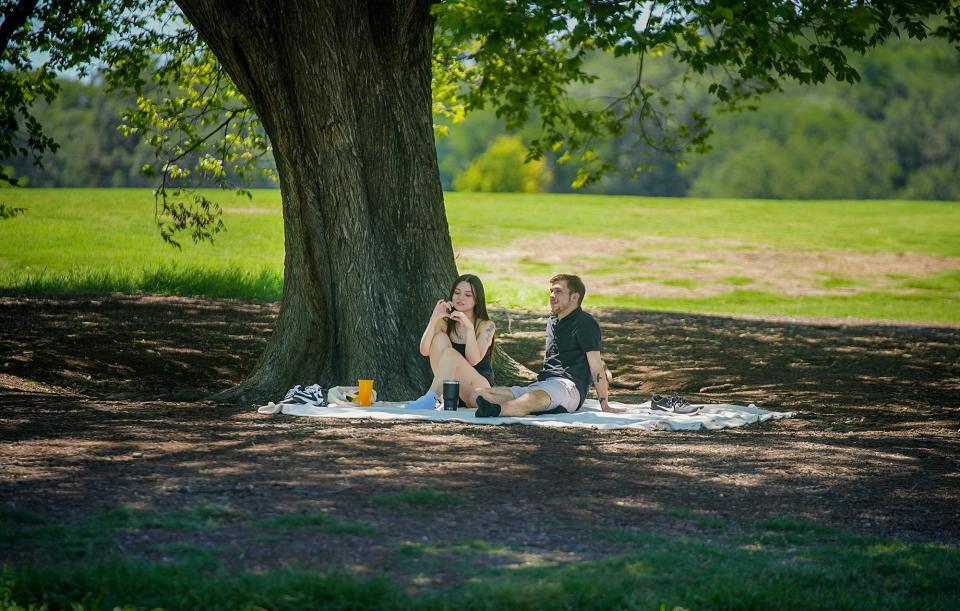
point(273, 211)
point(659, 267)
point(103, 406)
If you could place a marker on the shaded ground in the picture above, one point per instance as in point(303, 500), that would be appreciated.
point(102, 406)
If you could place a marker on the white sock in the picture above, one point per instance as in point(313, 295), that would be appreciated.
point(427, 401)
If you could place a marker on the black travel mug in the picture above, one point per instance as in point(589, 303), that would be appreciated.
point(451, 394)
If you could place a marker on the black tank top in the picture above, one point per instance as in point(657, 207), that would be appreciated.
point(483, 367)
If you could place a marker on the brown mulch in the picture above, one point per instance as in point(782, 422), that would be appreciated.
point(103, 405)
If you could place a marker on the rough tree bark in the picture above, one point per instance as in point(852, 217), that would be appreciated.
point(343, 92)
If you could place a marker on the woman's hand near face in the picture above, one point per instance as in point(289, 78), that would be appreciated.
point(435, 325)
point(463, 319)
point(441, 310)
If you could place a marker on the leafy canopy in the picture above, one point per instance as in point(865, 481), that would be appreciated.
point(38, 40)
point(524, 58)
point(201, 128)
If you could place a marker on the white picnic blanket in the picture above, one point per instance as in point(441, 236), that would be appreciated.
point(638, 416)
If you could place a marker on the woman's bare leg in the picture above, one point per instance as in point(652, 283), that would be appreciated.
point(452, 366)
point(440, 343)
point(447, 364)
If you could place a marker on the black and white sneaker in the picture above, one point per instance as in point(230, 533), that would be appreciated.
point(660, 403)
point(674, 403)
point(290, 393)
point(682, 406)
point(311, 395)
point(316, 394)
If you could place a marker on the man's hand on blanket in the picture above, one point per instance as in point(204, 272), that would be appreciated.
point(606, 407)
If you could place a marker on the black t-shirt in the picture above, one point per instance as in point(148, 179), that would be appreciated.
point(569, 339)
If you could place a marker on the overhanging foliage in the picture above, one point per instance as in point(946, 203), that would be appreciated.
point(525, 58)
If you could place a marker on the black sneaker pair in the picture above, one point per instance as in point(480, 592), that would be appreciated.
point(674, 403)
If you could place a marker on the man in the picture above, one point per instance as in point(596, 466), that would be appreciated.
point(570, 364)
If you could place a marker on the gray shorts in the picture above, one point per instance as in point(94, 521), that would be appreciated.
point(563, 392)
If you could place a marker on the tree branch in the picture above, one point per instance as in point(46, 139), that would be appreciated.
point(15, 20)
point(230, 115)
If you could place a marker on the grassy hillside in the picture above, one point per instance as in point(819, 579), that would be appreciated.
point(863, 259)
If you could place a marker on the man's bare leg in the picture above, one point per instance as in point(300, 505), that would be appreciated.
point(524, 405)
point(497, 394)
point(536, 401)
point(488, 400)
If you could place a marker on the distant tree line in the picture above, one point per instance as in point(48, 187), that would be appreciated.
point(896, 134)
point(85, 121)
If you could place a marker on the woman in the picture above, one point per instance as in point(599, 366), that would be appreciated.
point(459, 341)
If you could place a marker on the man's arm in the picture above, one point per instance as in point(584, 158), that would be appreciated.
point(598, 378)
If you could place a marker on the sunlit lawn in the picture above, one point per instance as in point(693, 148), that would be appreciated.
point(862, 259)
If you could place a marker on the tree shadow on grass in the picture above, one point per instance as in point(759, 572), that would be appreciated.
point(133, 347)
point(873, 450)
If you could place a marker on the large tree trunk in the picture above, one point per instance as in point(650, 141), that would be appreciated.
point(343, 91)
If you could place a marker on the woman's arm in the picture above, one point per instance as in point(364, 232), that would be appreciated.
point(436, 325)
point(476, 347)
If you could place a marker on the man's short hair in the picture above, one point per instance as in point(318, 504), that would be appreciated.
point(574, 283)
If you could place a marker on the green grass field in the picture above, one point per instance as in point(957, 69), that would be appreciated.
point(782, 563)
point(860, 259)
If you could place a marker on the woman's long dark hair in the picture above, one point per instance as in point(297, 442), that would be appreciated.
point(480, 307)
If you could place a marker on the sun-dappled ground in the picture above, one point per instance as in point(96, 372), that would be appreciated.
point(110, 449)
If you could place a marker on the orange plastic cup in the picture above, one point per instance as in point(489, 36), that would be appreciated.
point(365, 396)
